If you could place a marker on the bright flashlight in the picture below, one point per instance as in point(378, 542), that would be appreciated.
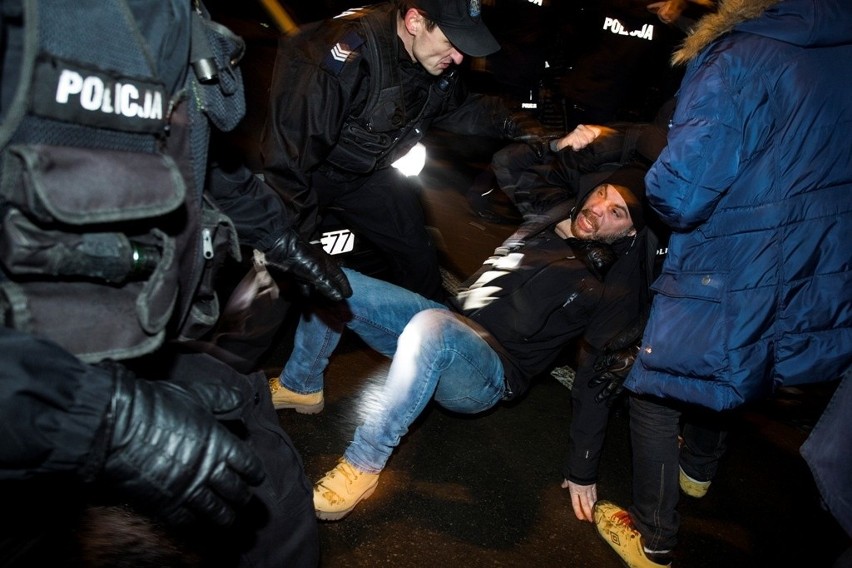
point(413, 161)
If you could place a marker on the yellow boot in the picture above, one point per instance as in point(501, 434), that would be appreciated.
point(282, 398)
point(336, 494)
point(616, 528)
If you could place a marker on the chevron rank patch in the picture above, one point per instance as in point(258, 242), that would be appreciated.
point(342, 51)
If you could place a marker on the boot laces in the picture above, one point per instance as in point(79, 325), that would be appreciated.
point(350, 473)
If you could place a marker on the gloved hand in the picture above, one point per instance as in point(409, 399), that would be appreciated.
point(522, 127)
point(309, 265)
point(615, 361)
point(162, 447)
point(611, 368)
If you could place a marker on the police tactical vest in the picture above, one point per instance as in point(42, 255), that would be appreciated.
point(381, 133)
point(107, 244)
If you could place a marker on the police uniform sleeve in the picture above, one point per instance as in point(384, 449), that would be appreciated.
point(475, 114)
point(266, 222)
point(260, 215)
point(154, 442)
point(52, 406)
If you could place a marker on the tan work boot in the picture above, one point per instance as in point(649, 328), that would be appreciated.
point(692, 487)
point(336, 494)
point(616, 527)
point(282, 398)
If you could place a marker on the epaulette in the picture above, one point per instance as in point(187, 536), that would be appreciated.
point(345, 50)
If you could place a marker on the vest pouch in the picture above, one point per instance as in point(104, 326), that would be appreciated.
point(219, 242)
point(80, 186)
point(358, 149)
point(27, 249)
point(85, 247)
point(389, 112)
point(219, 90)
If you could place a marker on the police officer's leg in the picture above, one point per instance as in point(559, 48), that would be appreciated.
point(386, 210)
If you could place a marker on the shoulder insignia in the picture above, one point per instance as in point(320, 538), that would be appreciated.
point(342, 51)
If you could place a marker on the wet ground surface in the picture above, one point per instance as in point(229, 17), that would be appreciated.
point(484, 490)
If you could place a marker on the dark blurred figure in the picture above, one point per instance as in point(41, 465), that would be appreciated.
point(607, 62)
point(525, 30)
point(754, 292)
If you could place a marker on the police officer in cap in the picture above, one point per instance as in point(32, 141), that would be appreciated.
point(352, 94)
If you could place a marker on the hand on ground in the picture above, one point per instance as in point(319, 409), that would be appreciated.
point(583, 499)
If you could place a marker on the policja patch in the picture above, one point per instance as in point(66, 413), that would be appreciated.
point(80, 94)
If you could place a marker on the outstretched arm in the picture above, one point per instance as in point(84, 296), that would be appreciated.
point(582, 136)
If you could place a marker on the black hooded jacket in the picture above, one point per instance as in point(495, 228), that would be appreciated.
point(536, 295)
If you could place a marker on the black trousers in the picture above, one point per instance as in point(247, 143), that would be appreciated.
point(385, 208)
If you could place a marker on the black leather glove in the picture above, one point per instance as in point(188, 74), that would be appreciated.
point(611, 368)
point(596, 255)
point(613, 364)
point(161, 447)
point(522, 127)
point(309, 265)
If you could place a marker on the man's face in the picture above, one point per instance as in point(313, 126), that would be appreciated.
point(433, 50)
point(604, 216)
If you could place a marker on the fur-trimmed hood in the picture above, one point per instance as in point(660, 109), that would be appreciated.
point(800, 22)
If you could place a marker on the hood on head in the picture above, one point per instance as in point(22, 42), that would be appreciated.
point(629, 181)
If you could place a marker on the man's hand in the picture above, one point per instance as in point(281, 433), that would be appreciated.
point(309, 265)
point(668, 11)
point(582, 136)
point(583, 499)
point(163, 449)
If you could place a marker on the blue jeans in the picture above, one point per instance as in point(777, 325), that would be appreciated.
point(655, 425)
point(436, 354)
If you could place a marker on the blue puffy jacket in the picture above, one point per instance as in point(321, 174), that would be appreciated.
point(756, 183)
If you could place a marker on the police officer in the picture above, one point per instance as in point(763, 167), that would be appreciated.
point(107, 254)
point(352, 94)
